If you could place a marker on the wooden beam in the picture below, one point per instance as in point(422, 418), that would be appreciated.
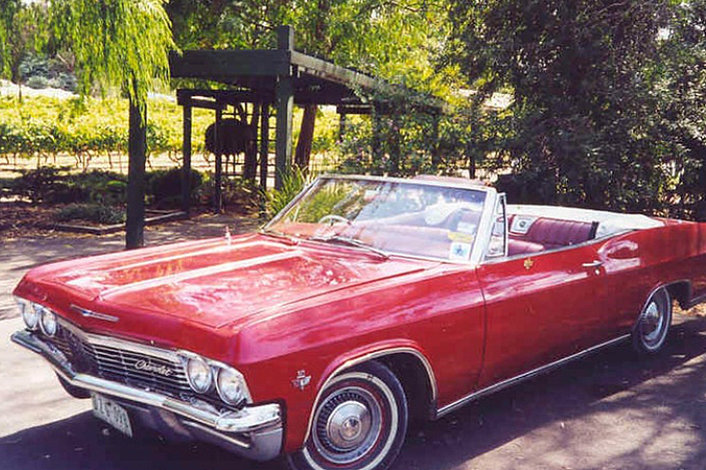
point(284, 101)
point(264, 143)
point(218, 184)
point(200, 97)
point(137, 150)
point(334, 73)
point(229, 64)
point(354, 109)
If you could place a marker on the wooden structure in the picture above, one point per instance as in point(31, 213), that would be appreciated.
point(274, 78)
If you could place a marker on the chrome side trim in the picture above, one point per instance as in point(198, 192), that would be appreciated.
point(367, 357)
point(522, 377)
point(246, 420)
point(230, 439)
point(90, 314)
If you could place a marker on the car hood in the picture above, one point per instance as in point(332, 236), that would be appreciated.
point(217, 282)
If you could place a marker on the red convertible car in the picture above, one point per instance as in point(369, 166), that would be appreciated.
point(365, 303)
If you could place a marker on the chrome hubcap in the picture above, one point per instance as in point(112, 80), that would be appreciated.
point(348, 424)
point(652, 323)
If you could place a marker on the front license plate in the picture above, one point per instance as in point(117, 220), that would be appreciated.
point(112, 413)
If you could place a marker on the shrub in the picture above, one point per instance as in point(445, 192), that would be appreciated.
point(97, 213)
point(38, 185)
point(164, 186)
point(293, 181)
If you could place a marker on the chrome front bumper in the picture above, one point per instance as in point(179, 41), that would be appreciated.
point(255, 432)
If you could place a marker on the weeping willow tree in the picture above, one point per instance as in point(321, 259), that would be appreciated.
point(8, 9)
point(119, 43)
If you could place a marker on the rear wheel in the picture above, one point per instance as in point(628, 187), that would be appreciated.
point(652, 327)
point(359, 423)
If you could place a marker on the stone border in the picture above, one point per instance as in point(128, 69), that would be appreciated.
point(164, 216)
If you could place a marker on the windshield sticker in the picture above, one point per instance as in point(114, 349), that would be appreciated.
point(466, 227)
point(460, 251)
point(461, 237)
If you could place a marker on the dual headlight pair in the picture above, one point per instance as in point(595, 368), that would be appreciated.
point(38, 317)
point(203, 375)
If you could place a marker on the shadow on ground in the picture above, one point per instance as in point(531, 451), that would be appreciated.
point(611, 411)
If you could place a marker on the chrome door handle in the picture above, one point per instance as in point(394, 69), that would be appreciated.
point(593, 264)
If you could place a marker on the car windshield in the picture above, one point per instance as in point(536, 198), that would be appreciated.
point(387, 217)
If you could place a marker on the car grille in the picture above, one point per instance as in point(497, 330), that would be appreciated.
point(137, 369)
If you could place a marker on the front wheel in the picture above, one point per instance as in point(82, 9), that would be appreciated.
point(652, 327)
point(359, 423)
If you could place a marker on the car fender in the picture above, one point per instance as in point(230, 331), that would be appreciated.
point(367, 353)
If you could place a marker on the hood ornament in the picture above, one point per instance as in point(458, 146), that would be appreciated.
point(228, 241)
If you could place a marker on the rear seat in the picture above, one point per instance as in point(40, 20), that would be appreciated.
point(553, 233)
point(546, 233)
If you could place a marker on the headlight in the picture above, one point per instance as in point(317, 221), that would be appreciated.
point(29, 313)
point(199, 374)
point(47, 322)
point(231, 386)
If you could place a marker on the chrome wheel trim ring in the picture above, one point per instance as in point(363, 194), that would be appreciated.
point(654, 321)
point(348, 425)
point(393, 424)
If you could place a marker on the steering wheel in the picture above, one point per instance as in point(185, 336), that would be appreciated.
point(334, 218)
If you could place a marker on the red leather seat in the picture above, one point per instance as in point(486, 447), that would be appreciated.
point(518, 247)
point(553, 233)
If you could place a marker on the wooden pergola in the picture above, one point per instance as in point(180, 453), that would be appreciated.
point(276, 78)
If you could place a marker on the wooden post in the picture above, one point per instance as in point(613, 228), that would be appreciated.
point(137, 149)
point(284, 101)
point(341, 126)
point(217, 187)
point(377, 151)
point(435, 157)
point(264, 144)
point(186, 167)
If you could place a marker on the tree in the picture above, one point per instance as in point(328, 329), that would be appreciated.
point(579, 131)
point(681, 88)
point(122, 43)
point(22, 31)
point(8, 11)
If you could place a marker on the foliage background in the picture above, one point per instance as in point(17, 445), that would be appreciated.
point(608, 104)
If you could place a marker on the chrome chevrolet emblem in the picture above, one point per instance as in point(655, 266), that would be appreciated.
point(149, 367)
point(302, 380)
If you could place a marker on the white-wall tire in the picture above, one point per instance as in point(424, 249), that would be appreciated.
point(359, 423)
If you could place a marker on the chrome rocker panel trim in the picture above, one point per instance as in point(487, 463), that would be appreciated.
point(261, 426)
point(444, 410)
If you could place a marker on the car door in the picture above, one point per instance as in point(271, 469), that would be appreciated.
point(540, 308)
